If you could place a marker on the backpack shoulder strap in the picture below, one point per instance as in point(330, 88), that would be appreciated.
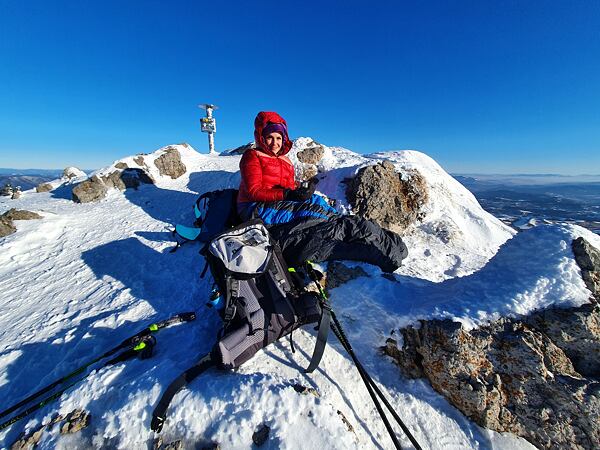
point(159, 414)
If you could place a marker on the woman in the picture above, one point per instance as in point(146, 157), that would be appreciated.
point(268, 188)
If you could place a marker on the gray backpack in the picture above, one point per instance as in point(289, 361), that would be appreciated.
point(258, 297)
point(262, 301)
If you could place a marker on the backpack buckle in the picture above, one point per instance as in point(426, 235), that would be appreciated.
point(229, 313)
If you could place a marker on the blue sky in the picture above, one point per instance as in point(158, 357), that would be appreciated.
point(491, 87)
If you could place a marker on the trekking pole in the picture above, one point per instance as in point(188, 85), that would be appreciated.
point(129, 342)
point(144, 347)
point(367, 380)
point(346, 344)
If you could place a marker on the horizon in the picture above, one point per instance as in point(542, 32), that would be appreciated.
point(480, 88)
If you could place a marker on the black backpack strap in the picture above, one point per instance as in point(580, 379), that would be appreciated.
point(321, 338)
point(159, 414)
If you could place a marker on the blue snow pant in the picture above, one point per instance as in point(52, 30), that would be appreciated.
point(285, 211)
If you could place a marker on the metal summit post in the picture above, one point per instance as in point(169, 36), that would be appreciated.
point(209, 125)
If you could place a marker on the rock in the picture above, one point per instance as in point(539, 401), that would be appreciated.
point(7, 190)
point(96, 187)
point(16, 194)
point(311, 155)
point(576, 331)
point(121, 165)
point(261, 435)
point(21, 214)
point(536, 377)
point(127, 178)
point(175, 445)
point(338, 274)
point(90, 190)
point(139, 160)
point(169, 163)
point(28, 441)
point(72, 172)
point(6, 226)
point(587, 258)
point(307, 171)
point(44, 187)
point(380, 194)
point(75, 421)
point(346, 421)
point(114, 181)
point(133, 177)
point(157, 443)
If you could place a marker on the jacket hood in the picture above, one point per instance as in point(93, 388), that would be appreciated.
point(260, 122)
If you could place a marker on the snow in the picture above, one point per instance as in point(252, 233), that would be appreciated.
point(86, 276)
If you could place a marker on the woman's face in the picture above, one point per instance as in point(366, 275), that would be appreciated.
point(274, 142)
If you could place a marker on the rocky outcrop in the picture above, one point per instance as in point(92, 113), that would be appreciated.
point(588, 260)
point(537, 376)
point(139, 160)
point(127, 178)
point(90, 190)
point(7, 226)
point(169, 163)
point(21, 214)
point(75, 421)
point(44, 187)
point(380, 194)
point(338, 273)
point(309, 159)
point(311, 155)
point(96, 187)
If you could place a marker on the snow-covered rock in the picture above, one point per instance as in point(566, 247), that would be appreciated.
point(70, 173)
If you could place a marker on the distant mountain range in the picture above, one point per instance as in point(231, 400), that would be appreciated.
point(37, 172)
point(29, 178)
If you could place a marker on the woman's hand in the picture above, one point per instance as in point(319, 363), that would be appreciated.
point(302, 192)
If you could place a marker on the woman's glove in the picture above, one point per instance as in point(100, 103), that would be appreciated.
point(302, 192)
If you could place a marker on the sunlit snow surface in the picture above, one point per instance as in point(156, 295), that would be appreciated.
point(86, 276)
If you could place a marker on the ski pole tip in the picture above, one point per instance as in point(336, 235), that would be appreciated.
point(157, 423)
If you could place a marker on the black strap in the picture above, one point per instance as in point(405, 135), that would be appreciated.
point(321, 338)
point(160, 411)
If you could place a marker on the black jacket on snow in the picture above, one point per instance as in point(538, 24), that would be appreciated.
point(340, 237)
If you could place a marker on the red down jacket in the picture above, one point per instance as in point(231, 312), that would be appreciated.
point(266, 175)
